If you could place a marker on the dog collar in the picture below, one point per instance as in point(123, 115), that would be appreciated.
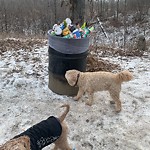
point(78, 75)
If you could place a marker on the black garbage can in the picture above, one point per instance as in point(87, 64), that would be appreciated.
point(65, 54)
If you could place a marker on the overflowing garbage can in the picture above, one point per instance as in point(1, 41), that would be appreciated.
point(65, 54)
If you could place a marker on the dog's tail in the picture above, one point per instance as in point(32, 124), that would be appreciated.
point(62, 117)
point(124, 76)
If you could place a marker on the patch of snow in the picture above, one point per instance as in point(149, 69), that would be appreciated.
point(25, 100)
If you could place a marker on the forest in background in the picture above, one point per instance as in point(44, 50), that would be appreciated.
point(36, 17)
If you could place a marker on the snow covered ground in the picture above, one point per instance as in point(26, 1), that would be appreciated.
point(25, 100)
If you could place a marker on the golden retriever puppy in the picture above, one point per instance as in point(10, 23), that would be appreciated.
point(91, 82)
point(52, 130)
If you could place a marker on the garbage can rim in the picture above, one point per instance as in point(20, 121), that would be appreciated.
point(59, 37)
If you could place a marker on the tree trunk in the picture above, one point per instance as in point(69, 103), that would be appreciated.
point(77, 9)
point(125, 24)
point(117, 8)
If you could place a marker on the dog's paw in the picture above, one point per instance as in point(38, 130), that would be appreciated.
point(118, 110)
point(76, 98)
point(89, 103)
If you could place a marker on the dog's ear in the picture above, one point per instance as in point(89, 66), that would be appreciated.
point(18, 146)
point(74, 77)
point(25, 141)
point(21, 143)
point(75, 74)
point(71, 76)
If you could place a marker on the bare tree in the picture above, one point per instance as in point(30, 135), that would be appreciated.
point(4, 16)
point(117, 8)
point(55, 11)
point(125, 24)
point(38, 16)
point(77, 9)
